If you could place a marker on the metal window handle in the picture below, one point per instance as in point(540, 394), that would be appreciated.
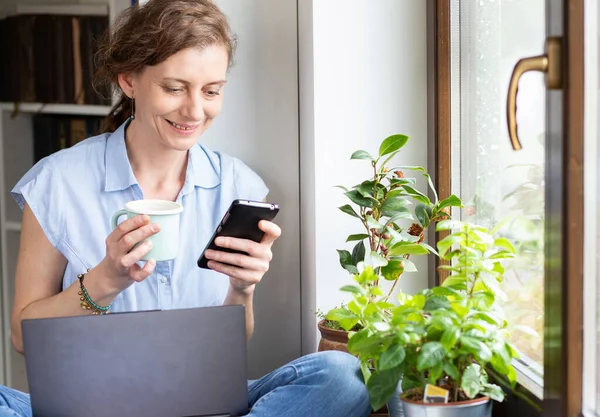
point(549, 64)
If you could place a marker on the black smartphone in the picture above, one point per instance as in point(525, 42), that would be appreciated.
point(241, 221)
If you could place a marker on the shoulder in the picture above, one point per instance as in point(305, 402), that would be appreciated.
point(72, 166)
point(83, 153)
point(236, 174)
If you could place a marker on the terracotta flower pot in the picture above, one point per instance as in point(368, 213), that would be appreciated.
point(332, 339)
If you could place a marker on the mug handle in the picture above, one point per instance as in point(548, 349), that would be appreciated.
point(115, 218)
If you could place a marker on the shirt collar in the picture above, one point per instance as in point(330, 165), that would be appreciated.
point(203, 169)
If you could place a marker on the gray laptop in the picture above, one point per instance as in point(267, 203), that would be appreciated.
point(170, 363)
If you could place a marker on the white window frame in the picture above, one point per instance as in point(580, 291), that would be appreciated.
point(529, 373)
point(591, 400)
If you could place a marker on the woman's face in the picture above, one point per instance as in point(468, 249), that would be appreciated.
point(177, 100)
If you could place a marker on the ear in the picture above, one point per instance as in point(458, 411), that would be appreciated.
point(126, 82)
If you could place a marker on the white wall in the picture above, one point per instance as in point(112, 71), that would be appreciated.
point(363, 76)
point(259, 124)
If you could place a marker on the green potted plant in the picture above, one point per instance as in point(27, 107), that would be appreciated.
point(393, 216)
point(448, 336)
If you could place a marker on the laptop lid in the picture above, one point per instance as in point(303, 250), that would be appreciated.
point(179, 363)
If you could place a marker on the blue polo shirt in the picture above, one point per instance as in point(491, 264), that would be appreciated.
point(73, 194)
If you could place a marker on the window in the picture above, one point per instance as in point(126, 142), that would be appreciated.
point(496, 183)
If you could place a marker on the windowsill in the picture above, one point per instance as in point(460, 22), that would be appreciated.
point(530, 376)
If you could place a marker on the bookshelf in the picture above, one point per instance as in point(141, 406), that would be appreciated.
point(43, 108)
point(17, 157)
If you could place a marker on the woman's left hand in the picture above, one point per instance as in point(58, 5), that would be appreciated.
point(244, 271)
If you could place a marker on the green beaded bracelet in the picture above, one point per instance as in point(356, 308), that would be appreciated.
point(86, 301)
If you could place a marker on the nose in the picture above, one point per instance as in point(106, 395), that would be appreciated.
point(194, 108)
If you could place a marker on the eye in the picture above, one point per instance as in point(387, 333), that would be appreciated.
point(213, 93)
point(173, 90)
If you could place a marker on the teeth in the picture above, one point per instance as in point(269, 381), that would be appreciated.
point(179, 126)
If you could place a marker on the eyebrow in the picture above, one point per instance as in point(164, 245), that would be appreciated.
point(179, 80)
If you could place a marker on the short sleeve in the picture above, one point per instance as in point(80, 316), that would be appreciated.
point(248, 183)
point(41, 189)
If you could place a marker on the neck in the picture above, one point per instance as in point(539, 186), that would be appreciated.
point(159, 171)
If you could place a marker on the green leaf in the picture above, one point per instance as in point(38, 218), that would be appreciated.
point(483, 299)
point(504, 243)
point(366, 189)
point(353, 289)
point(429, 248)
point(344, 317)
point(476, 347)
point(450, 337)
point(451, 370)
point(361, 155)
point(452, 201)
point(410, 381)
point(367, 276)
point(363, 343)
point(419, 300)
point(470, 382)
point(435, 372)
point(494, 392)
point(392, 357)
point(436, 302)
point(392, 270)
point(402, 248)
point(503, 254)
point(445, 291)
point(392, 144)
point(360, 236)
point(382, 385)
point(373, 224)
point(417, 195)
point(351, 268)
point(455, 282)
point(423, 214)
point(357, 198)
point(358, 253)
point(489, 317)
point(347, 208)
point(377, 260)
point(409, 266)
point(399, 214)
point(431, 354)
point(345, 257)
point(448, 225)
point(425, 174)
point(446, 243)
point(364, 367)
point(393, 205)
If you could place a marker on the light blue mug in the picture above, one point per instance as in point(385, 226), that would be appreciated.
point(165, 244)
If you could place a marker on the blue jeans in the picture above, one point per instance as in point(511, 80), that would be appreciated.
point(324, 384)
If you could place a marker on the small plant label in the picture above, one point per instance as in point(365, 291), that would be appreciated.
point(435, 394)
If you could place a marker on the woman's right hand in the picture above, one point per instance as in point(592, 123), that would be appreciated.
point(120, 263)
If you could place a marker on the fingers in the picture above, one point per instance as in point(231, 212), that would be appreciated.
point(245, 277)
point(272, 231)
point(128, 260)
point(127, 226)
point(139, 274)
point(240, 260)
point(135, 236)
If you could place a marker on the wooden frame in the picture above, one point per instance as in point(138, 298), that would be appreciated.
point(564, 255)
point(439, 109)
point(572, 317)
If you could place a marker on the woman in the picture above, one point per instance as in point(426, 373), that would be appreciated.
point(169, 60)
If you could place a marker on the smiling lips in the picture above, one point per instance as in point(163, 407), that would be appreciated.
point(184, 129)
